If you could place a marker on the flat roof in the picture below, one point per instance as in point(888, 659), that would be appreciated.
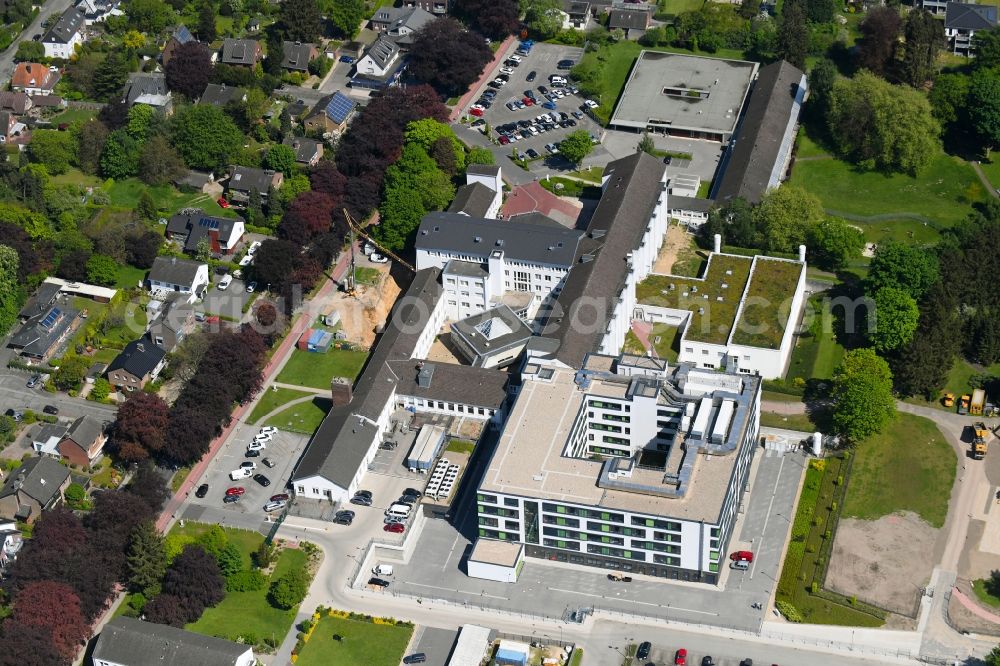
point(763, 285)
point(492, 330)
point(494, 551)
point(684, 92)
point(529, 458)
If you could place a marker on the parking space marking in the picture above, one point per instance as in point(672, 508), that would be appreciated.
point(445, 589)
point(634, 601)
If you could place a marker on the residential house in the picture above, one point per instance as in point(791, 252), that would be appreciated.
point(435, 7)
point(307, 151)
point(170, 274)
point(137, 364)
point(220, 94)
point(46, 439)
point(936, 7)
point(634, 22)
point(65, 35)
point(295, 56)
point(331, 114)
point(36, 486)
point(191, 225)
point(961, 23)
point(399, 23)
point(48, 102)
point(41, 335)
point(149, 89)
point(34, 78)
point(83, 442)
point(246, 52)
point(577, 14)
point(198, 181)
point(380, 67)
point(179, 38)
point(10, 544)
point(242, 180)
point(18, 103)
point(173, 322)
point(39, 301)
point(10, 127)
point(126, 641)
point(96, 11)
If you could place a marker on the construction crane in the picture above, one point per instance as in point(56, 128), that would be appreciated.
point(356, 229)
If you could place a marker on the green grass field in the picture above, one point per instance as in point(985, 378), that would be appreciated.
point(360, 643)
point(129, 276)
point(992, 167)
point(907, 467)
point(678, 6)
point(942, 194)
point(905, 231)
point(315, 370)
point(461, 446)
point(73, 116)
point(273, 398)
point(799, 422)
point(816, 353)
point(980, 587)
point(304, 417)
point(365, 275)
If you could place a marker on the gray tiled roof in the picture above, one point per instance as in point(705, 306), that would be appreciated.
point(85, 430)
point(305, 149)
point(153, 83)
point(628, 19)
point(240, 51)
point(473, 199)
point(39, 332)
point(465, 268)
point(383, 51)
point(482, 170)
point(631, 190)
point(171, 270)
point(244, 179)
point(968, 16)
point(484, 341)
point(38, 478)
point(197, 224)
point(40, 301)
point(537, 243)
point(220, 95)
point(126, 640)
point(296, 56)
point(696, 204)
point(139, 358)
point(758, 142)
point(68, 25)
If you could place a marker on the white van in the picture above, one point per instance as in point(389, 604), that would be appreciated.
point(241, 473)
point(742, 565)
point(398, 511)
point(225, 282)
point(383, 570)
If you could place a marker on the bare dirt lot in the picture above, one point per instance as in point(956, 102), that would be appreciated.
point(676, 240)
point(884, 562)
point(360, 315)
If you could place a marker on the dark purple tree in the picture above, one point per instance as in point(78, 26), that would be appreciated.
point(448, 56)
point(188, 69)
point(28, 645)
point(55, 607)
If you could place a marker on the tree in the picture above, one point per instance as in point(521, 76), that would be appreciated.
point(205, 136)
point(75, 496)
point(120, 156)
point(102, 270)
point(29, 645)
point(896, 316)
point(230, 560)
point(819, 11)
point(90, 138)
point(447, 56)
point(280, 157)
point(543, 17)
point(188, 69)
point(265, 313)
point(149, 16)
point(576, 146)
point(35, 224)
point(493, 18)
point(993, 658)
point(879, 37)
point(346, 16)
point(147, 560)
point(206, 29)
point(984, 107)
point(142, 246)
point(646, 145)
point(69, 375)
point(785, 215)
point(987, 44)
point(29, 51)
point(924, 38)
point(145, 208)
point(309, 215)
point(880, 126)
point(862, 393)
point(109, 77)
point(52, 148)
point(149, 486)
point(414, 185)
point(834, 243)
point(821, 79)
point(949, 97)
point(478, 155)
point(159, 163)
point(264, 555)
point(56, 607)
point(440, 142)
point(9, 293)
point(288, 591)
point(139, 427)
point(907, 267)
point(793, 36)
point(300, 20)
point(194, 578)
point(101, 390)
point(167, 609)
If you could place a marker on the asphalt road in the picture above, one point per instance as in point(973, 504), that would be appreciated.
point(50, 8)
point(14, 394)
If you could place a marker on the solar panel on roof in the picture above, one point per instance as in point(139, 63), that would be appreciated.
point(339, 108)
point(208, 222)
point(51, 317)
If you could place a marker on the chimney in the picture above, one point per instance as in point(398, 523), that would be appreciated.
point(340, 391)
point(717, 240)
point(140, 347)
point(802, 253)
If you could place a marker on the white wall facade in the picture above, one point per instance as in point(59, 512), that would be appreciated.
point(487, 571)
point(60, 50)
point(788, 138)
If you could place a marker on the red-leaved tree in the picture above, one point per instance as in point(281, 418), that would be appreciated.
point(56, 607)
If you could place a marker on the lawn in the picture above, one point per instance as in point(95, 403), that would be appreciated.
point(678, 6)
point(315, 369)
point(799, 422)
point(906, 231)
point(591, 174)
point(567, 187)
point(129, 276)
point(179, 477)
point(73, 116)
point(360, 643)
point(272, 399)
point(806, 147)
point(304, 417)
point(992, 170)
point(941, 195)
point(461, 446)
point(981, 588)
point(816, 353)
point(907, 467)
point(365, 275)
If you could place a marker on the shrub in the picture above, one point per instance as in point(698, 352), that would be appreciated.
point(288, 591)
point(246, 581)
point(790, 612)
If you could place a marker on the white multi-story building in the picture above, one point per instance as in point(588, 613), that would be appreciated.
point(486, 262)
point(65, 34)
point(624, 463)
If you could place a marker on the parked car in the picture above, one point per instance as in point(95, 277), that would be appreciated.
point(413, 491)
point(251, 287)
point(254, 246)
point(395, 528)
point(361, 500)
point(476, 112)
point(222, 202)
point(415, 658)
point(274, 506)
point(229, 499)
point(681, 657)
point(33, 382)
point(51, 410)
point(252, 453)
point(549, 105)
point(742, 555)
point(246, 260)
point(565, 64)
point(236, 490)
point(264, 437)
point(531, 76)
point(268, 430)
point(552, 148)
point(256, 446)
point(348, 59)
point(643, 651)
point(377, 258)
point(532, 154)
point(267, 462)
point(378, 582)
point(280, 497)
point(344, 518)
point(225, 282)
point(707, 661)
point(248, 464)
point(262, 480)
point(202, 490)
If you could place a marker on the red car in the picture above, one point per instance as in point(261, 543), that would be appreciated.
point(504, 141)
point(528, 101)
point(236, 490)
point(681, 658)
point(222, 202)
point(283, 497)
point(396, 528)
point(744, 555)
point(476, 112)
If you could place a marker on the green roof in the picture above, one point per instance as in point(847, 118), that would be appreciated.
point(714, 298)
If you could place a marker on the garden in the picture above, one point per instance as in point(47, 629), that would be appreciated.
point(302, 418)
point(338, 638)
point(273, 398)
point(316, 369)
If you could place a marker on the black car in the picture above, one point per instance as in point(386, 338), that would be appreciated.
point(262, 480)
point(251, 453)
point(413, 491)
point(344, 517)
point(415, 658)
point(361, 500)
point(543, 90)
point(50, 409)
point(643, 652)
point(532, 153)
point(363, 493)
point(707, 661)
point(494, 85)
point(378, 582)
point(202, 490)
point(229, 499)
point(531, 76)
point(565, 64)
point(268, 462)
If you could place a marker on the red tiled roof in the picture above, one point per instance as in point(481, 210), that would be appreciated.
point(533, 198)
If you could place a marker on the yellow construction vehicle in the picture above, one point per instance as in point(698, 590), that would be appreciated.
point(948, 400)
point(963, 404)
point(979, 434)
point(978, 400)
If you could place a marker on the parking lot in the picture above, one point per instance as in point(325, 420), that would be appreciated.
point(226, 302)
point(542, 61)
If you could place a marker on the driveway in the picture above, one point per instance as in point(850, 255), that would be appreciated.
point(227, 302)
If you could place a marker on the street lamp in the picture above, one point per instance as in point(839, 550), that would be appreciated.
point(627, 658)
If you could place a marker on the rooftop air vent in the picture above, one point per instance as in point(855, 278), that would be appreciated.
point(694, 289)
point(478, 239)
